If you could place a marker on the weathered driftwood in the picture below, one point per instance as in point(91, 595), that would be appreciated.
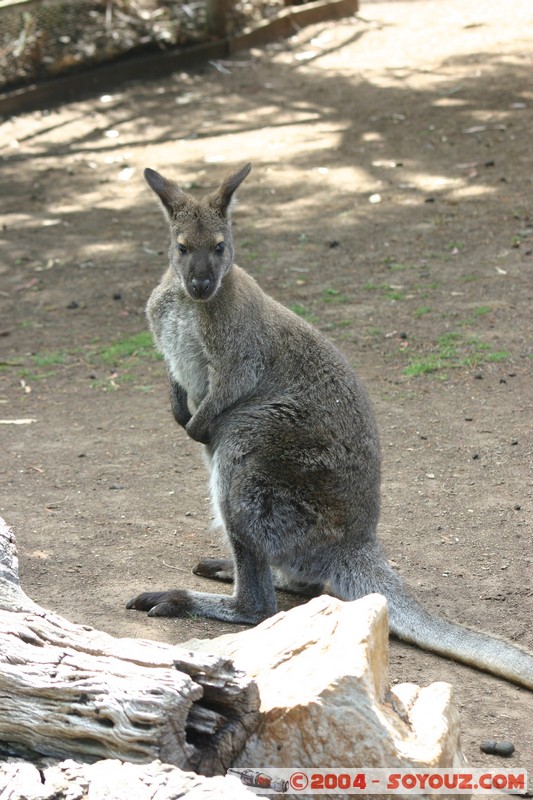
point(113, 780)
point(322, 673)
point(69, 691)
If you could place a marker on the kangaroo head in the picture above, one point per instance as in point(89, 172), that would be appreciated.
point(201, 249)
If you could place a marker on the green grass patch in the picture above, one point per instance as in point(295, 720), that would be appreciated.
point(476, 315)
point(452, 351)
point(477, 345)
point(395, 294)
point(421, 311)
point(123, 355)
point(334, 296)
point(480, 311)
point(50, 359)
point(340, 323)
point(389, 291)
point(426, 289)
point(423, 365)
point(398, 267)
point(32, 377)
point(139, 345)
point(497, 357)
point(449, 337)
point(303, 312)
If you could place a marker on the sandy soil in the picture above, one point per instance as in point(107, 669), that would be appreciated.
point(390, 203)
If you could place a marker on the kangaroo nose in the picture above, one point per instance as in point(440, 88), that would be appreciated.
point(200, 286)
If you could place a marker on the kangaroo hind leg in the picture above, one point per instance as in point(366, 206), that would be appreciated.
point(252, 601)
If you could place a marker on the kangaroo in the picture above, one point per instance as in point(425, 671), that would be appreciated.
point(291, 441)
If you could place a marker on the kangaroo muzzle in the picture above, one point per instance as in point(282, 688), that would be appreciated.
point(201, 288)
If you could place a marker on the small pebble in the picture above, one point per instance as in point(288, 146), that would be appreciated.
point(73, 304)
point(503, 748)
point(117, 296)
point(116, 486)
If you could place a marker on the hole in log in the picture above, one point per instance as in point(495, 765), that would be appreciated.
point(105, 722)
point(27, 639)
point(202, 724)
point(143, 726)
point(89, 745)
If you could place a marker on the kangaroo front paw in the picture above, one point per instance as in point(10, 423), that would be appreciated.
point(198, 431)
point(174, 603)
point(218, 569)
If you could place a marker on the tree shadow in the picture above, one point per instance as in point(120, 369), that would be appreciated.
point(372, 127)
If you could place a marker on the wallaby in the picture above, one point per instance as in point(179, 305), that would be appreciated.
point(291, 441)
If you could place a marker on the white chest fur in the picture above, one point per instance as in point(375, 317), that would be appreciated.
point(175, 331)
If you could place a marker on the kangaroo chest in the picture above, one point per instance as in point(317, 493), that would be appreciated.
point(176, 332)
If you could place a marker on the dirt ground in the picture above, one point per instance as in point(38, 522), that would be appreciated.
point(391, 203)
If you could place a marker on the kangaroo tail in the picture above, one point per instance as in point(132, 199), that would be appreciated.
point(411, 623)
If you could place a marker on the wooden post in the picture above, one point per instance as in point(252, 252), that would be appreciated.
point(217, 17)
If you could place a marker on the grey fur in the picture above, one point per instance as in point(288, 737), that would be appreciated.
point(291, 440)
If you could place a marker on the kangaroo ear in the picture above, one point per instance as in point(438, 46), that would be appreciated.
point(222, 198)
point(170, 194)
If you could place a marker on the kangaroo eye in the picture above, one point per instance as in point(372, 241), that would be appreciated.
point(182, 250)
point(220, 247)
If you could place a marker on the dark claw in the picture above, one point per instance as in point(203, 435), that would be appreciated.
point(174, 603)
point(167, 610)
point(220, 569)
point(146, 600)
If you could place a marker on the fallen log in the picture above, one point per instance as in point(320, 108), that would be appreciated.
point(307, 688)
point(113, 780)
point(70, 691)
point(322, 674)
